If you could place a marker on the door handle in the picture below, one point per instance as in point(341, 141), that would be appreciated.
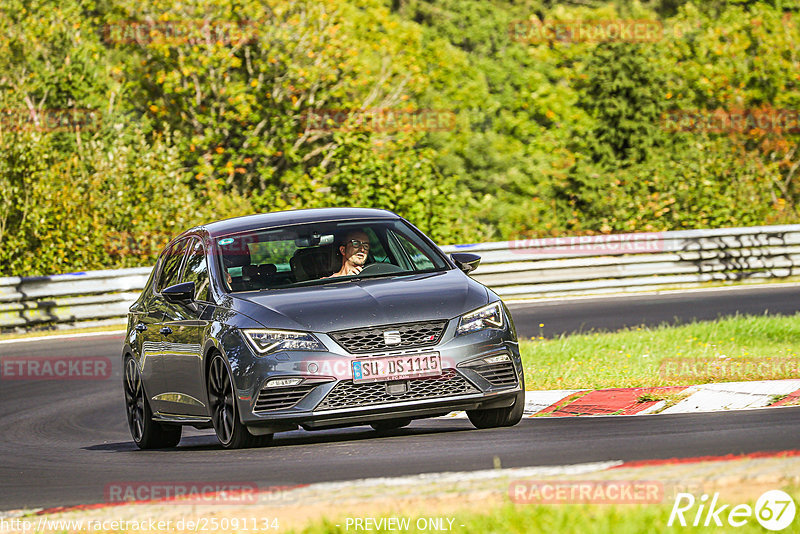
point(166, 330)
point(141, 327)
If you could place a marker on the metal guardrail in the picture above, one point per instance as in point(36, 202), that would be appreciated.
point(527, 268)
point(636, 262)
point(67, 298)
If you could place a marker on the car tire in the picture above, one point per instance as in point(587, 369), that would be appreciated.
point(389, 424)
point(224, 410)
point(497, 417)
point(146, 433)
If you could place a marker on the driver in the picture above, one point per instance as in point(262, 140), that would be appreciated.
point(354, 252)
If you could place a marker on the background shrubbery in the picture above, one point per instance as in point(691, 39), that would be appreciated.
point(550, 138)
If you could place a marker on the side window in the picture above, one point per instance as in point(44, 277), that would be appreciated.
point(197, 270)
point(377, 252)
point(421, 261)
point(172, 264)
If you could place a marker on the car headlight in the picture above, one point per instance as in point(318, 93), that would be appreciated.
point(490, 316)
point(265, 341)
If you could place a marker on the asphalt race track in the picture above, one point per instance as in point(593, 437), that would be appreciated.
point(63, 442)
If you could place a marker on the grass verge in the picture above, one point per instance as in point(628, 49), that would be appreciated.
point(734, 349)
point(567, 518)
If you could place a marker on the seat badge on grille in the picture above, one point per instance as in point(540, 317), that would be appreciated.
point(392, 337)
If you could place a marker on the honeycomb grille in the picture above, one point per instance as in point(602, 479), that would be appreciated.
point(270, 399)
point(412, 335)
point(497, 374)
point(346, 394)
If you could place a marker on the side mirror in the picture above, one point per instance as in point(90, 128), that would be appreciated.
point(466, 261)
point(179, 293)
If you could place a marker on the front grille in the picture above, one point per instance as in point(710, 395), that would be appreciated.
point(346, 394)
point(412, 335)
point(281, 398)
point(500, 374)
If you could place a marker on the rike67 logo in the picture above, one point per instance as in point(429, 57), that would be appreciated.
point(774, 510)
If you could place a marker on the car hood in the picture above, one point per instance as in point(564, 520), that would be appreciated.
point(366, 302)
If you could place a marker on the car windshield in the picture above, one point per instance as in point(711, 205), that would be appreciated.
point(321, 253)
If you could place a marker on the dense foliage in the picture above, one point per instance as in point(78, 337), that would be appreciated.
point(123, 123)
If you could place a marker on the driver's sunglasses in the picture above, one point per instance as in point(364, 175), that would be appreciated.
point(359, 244)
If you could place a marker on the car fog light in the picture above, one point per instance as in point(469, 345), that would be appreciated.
point(283, 382)
point(498, 359)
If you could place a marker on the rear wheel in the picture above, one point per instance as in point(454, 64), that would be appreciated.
point(146, 433)
point(496, 417)
point(231, 432)
point(390, 424)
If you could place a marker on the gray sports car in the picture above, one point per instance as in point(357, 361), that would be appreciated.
point(315, 319)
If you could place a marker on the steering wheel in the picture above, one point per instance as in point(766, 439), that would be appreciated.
point(380, 268)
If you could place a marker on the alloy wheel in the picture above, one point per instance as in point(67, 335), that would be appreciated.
point(134, 399)
point(220, 391)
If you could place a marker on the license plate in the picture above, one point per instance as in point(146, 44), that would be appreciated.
point(404, 367)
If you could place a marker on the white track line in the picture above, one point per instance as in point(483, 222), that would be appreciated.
point(62, 336)
point(659, 292)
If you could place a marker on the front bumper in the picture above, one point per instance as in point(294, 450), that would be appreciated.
point(328, 398)
point(363, 415)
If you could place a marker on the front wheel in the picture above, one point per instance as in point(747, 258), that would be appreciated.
point(231, 432)
point(146, 433)
point(497, 417)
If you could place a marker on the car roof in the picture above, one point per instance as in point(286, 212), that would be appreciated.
point(282, 218)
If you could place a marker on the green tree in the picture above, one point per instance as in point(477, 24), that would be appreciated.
point(624, 90)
